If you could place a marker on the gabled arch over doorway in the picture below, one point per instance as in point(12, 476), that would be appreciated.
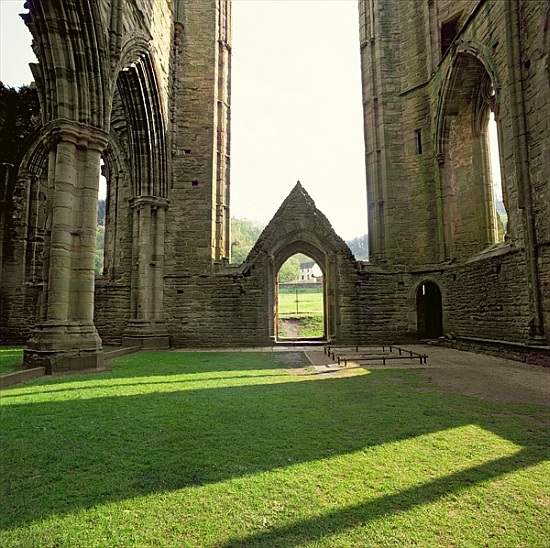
point(299, 227)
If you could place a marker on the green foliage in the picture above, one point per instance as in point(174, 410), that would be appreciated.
point(300, 312)
point(310, 303)
point(101, 212)
point(19, 118)
point(228, 449)
point(99, 249)
point(311, 327)
point(244, 234)
point(290, 271)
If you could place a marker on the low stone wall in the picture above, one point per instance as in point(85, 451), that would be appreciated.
point(485, 298)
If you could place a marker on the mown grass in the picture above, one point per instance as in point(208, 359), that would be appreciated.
point(307, 314)
point(309, 303)
point(227, 449)
point(11, 357)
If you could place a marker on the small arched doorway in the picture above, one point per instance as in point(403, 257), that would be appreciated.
point(300, 299)
point(429, 311)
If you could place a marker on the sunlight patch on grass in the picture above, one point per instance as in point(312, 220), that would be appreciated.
point(260, 501)
point(146, 385)
point(268, 461)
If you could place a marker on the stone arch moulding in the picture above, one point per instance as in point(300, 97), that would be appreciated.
point(463, 49)
point(299, 227)
point(138, 86)
point(72, 75)
point(139, 91)
point(470, 90)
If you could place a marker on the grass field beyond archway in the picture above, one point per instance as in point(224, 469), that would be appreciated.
point(228, 449)
point(300, 299)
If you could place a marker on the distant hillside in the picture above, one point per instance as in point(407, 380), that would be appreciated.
point(244, 234)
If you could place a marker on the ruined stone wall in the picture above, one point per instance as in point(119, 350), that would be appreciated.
point(235, 306)
point(536, 77)
point(198, 219)
point(223, 309)
point(437, 202)
point(427, 208)
point(111, 310)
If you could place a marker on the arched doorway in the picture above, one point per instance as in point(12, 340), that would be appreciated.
point(300, 299)
point(429, 311)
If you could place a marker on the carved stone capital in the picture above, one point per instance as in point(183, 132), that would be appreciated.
point(153, 201)
point(82, 135)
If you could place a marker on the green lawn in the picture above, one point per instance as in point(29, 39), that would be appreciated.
point(227, 449)
point(11, 357)
point(309, 317)
point(309, 303)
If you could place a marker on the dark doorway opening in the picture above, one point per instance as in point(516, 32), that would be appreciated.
point(429, 311)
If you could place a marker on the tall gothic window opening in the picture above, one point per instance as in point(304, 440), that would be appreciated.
point(500, 217)
point(100, 230)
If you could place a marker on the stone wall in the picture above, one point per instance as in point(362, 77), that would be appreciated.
point(437, 201)
point(429, 216)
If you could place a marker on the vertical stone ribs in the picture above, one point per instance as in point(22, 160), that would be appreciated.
point(223, 218)
point(138, 89)
point(72, 73)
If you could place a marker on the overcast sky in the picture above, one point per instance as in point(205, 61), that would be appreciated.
point(296, 109)
point(15, 45)
point(296, 104)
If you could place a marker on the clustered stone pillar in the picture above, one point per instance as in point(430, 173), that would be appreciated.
point(65, 337)
point(146, 327)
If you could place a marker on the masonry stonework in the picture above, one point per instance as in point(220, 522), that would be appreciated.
point(151, 104)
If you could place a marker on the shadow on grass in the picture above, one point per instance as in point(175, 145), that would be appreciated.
point(61, 456)
point(314, 529)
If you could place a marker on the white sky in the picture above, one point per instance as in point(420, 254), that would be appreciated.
point(495, 158)
point(15, 45)
point(296, 104)
point(297, 109)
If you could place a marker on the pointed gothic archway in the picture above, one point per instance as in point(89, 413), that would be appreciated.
point(300, 313)
point(299, 227)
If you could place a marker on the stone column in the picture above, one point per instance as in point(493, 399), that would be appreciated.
point(66, 337)
point(146, 327)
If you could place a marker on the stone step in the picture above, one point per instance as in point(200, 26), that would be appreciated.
point(21, 375)
point(122, 351)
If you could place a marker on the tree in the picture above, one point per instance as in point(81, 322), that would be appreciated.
point(99, 249)
point(101, 212)
point(360, 247)
point(244, 234)
point(290, 271)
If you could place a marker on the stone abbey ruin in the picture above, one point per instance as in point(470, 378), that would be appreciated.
point(142, 87)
